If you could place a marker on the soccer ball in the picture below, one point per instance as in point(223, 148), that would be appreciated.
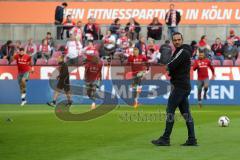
point(223, 121)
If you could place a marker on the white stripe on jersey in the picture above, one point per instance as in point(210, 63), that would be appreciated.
point(177, 55)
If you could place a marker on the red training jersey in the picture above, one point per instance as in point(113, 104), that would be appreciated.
point(91, 50)
point(138, 63)
point(93, 71)
point(202, 65)
point(23, 63)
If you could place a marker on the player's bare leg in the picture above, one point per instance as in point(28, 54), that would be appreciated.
point(137, 89)
point(91, 94)
point(55, 96)
point(200, 97)
point(205, 91)
point(136, 96)
point(23, 91)
point(200, 87)
point(68, 95)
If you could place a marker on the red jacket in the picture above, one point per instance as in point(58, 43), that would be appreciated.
point(202, 43)
point(93, 71)
point(137, 63)
point(23, 63)
point(202, 65)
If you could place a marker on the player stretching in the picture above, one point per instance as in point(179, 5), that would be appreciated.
point(93, 77)
point(138, 63)
point(63, 83)
point(23, 61)
point(202, 65)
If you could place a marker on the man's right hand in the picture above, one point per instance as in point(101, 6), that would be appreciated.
point(32, 70)
point(57, 22)
point(213, 76)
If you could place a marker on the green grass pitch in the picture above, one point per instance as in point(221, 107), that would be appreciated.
point(35, 133)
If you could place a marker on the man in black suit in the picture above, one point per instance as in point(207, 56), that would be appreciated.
point(59, 14)
point(179, 71)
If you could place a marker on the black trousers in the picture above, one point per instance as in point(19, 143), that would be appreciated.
point(179, 98)
point(59, 30)
point(67, 31)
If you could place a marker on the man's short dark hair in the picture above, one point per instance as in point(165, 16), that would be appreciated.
point(64, 4)
point(151, 50)
point(21, 49)
point(177, 33)
point(49, 33)
point(193, 43)
point(201, 50)
point(116, 20)
point(90, 41)
point(203, 36)
point(9, 42)
point(167, 42)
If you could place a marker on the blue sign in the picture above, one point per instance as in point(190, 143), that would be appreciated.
point(153, 92)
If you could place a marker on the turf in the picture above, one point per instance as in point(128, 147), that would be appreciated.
point(36, 133)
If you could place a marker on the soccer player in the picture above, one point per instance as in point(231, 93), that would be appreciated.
point(63, 83)
point(179, 71)
point(202, 65)
point(90, 49)
point(93, 76)
point(138, 64)
point(23, 61)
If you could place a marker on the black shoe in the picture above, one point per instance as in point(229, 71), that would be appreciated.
point(161, 142)
point(200, 104)
point(205, 95)
point(190, 142)
point(69, 104)
point(51, 104)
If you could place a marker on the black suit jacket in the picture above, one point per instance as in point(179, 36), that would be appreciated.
point(179, 67)
point(59, 12)
point(137, 27)
point(178, 18)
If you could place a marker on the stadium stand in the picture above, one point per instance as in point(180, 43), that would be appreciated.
point(216, 62)
point(13, 63)
point(57, 54)
point(59, 49)
point(52, 61)
point(237, 63)
point(131, 0)
point(3, 62)
point(41, 62)
point(23, 32)
point(228, 62)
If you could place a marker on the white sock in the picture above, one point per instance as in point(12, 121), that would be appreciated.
point(23, 96)
point(136, 100)
point(139, 88)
